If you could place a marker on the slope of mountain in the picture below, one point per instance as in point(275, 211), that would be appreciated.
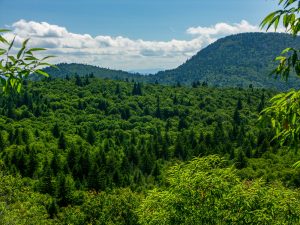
point(237, 60)
point(234, 61)
point(65, 69)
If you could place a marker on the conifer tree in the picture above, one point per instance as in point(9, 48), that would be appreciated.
point(56, 131)
point(62, 144)
point(91, 137)
point(55, 163)
point(236, 117)
point(239, 105)
point(46, 184)
point(65, 189)
point(2, 142)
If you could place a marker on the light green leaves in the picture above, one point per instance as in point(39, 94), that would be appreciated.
point(287, 15)
point(284, 117)
point(284, 113)
point(289, 60)
point(15, 68)
point(204, 191)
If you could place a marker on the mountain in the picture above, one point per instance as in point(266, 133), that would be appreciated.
point(72, 69)
point(237, 60)
point(234, 61)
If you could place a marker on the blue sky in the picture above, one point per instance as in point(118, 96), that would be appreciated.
point(156, 21)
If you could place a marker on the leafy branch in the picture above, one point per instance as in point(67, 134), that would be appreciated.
point(284, 112)
point(14, 68)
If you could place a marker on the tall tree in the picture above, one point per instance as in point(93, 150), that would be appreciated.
point(62, 143)
point(91, 137)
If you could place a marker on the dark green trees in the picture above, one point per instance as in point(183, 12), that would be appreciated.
point(56, 130)
point(62, 143)
point(91, 137)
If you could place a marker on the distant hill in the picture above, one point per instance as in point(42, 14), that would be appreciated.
point(72, 69)
point(234, 61)
point(237, 60)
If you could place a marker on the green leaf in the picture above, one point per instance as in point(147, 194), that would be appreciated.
point(22, 49)
point(2, 51)
point(286, 50)
point(36, 49)
point(268, 19)
point(42, 73)
point(12, 43)
point(4, 30)
point(3, 40)
point(19, 87)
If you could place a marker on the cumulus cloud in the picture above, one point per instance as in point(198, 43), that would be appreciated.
point(223, 29)
point(121, 52)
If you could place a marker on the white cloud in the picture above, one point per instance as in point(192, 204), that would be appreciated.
point(121, 52)
point(223, 29)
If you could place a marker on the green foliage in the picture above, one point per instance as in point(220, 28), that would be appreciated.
point(19, 204)
point(235, 61)
point(283, 114)
point(15, 68)
point(240, 60)
point(204, 191)
point(92, 151)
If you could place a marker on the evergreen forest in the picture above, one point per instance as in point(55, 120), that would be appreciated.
point(85, 150)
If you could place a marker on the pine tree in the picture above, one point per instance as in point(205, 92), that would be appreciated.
point(219, 134)
point(72, 158)
point(62, 144)
point(78, 80)
point(261, 104)
point(180, 151)
point(91, 137)
point(118, 90)
point(137, 89)
point(32, 164)
point(97, 178)
point(55, 163)
point(65, 189)
point(56, 131)
point(239, 105)
point(25, 136)
point(182, 123)
point(237, 117)
point(85, 162)
point(2, 142)
point(158, 111)
point(18, 137)
point(46, 185)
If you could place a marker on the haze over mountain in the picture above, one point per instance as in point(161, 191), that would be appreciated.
point(236, 60)
point(72, 69)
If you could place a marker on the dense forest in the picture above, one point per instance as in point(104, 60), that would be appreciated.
point(84, 150)
point(234, 61)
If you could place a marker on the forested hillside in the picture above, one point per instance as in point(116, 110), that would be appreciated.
point(236, 61)
point(83, 150)
point(73, 69)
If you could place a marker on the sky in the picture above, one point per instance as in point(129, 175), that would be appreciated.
point(132, 35)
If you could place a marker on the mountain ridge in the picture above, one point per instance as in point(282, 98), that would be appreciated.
point(237, 60)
